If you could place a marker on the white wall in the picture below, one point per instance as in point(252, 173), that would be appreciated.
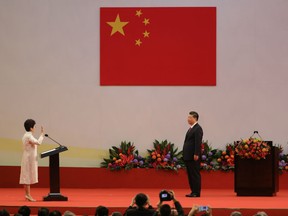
point(49, 71)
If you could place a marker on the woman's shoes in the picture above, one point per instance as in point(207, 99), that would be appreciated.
point(29, 198)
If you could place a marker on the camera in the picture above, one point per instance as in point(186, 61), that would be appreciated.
point(165, 195)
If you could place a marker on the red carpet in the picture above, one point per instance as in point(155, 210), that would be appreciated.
point(87, 188)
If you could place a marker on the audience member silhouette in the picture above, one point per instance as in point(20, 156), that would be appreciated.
point(43, 211)
point(4, 212)
point(165, 209)
point(116, 214)
point(55, 213)
point(69, 213)
point(140, 206)
point(261, 213)
point(24, 210)
point(236, 213)
point(102, 211)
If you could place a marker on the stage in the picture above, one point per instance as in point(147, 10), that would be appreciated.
point(86, 188)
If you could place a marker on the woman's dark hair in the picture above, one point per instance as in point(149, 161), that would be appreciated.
point(141, 199)
point(24, 210)
point(28, 124)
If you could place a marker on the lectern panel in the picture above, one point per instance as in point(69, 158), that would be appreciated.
point(53, 151)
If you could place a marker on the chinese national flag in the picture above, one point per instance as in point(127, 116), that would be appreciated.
point(158, 46)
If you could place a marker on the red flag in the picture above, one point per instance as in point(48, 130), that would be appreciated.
point(158, 46)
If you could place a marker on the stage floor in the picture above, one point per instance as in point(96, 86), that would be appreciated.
point(84, 201)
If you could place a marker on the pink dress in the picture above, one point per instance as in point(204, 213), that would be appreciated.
point(29, 163)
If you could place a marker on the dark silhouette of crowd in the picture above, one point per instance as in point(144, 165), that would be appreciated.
point(140, 206)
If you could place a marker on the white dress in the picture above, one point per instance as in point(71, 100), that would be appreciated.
point(29, 163)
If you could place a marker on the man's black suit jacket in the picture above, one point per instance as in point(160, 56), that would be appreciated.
point(134, 211)
point(192, 143)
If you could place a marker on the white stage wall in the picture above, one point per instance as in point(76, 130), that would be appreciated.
point(49, 71)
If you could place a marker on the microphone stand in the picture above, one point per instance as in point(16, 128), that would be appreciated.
point(256, 132)
point(61, 146)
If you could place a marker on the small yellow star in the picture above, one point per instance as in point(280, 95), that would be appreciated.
point(146, 34)
point(146, 21)
point(117, 25)
point(138, 13)
point(138, 42)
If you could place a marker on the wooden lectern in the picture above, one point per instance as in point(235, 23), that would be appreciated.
point(54, 173)
point(257, 177)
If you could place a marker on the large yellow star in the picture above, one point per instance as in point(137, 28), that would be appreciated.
point(117, 26)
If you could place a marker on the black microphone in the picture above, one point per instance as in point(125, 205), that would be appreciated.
point(256, 132)
point(46, 135)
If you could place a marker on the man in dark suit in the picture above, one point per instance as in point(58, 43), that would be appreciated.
point(192, 154)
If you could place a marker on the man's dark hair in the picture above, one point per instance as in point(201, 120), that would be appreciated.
point(55, 213)
point(141, 199)
point(43, 211)
point(102, 211)
point(28, 124)
point(194, 114)
point(4, 212)
point(165, 210)
point(24, 210)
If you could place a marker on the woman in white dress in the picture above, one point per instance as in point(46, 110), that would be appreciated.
point(29, 163)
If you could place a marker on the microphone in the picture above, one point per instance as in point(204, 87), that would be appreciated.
point(46, 135)
point(256, 132)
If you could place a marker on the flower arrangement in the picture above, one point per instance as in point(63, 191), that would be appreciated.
point(215, 159)
point(227, 158)
point(207, 157)
point(164, 156)
point(252, 148)
point(124, 157)
point(283, 160)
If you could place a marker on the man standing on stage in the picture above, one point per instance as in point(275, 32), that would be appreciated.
point(192, 154)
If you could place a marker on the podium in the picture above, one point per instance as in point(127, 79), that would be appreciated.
point(54, 173)
point(257, 177)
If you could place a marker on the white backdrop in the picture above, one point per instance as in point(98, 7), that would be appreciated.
point(49, 71)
